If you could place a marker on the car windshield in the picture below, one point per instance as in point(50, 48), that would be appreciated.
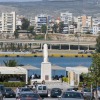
point(8, 89)
point(71, 95)
point(87, 90)
point(29, 95)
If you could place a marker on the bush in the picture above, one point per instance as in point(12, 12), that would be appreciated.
point(65, 79)
point(13, 84)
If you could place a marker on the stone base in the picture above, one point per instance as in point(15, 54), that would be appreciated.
point(46, 71)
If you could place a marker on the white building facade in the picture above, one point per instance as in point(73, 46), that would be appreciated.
point(8, 22)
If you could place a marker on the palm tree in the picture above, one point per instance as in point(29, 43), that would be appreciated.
point(11, 63)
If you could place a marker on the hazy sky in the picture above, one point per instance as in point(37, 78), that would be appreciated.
point(17, 0)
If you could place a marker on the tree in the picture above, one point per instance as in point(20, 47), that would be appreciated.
point(54, 28)
point(95, 70)
point(31, 29)
point(25, 24)
point(98, 44)
point(61, 26)
point(11, 63)
point(43, 28)
point(16, 34)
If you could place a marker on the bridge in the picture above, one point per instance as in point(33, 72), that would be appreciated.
point(49, 42)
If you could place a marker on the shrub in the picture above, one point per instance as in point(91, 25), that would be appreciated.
point(65, 79)
point(13, 84)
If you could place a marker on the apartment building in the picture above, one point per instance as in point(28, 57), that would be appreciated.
point(84, 23)
point(42, 20)
point(66, 17)
point(8, 22)
point(96, 26)
point(0, 25)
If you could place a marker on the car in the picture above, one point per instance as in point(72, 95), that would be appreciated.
point(2, 90)
point(87, 93)
point(42, 90)
point(1, 96)
point(22, 89)
point(98, 92)
point(9, 93)
point(71, 95)
point(55, 92)
point(29, 96)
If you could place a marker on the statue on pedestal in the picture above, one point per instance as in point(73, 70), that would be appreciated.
point(45, 53)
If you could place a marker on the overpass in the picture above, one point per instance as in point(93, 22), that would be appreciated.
point(41, 42)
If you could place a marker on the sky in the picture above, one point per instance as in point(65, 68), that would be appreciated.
point(17, 0)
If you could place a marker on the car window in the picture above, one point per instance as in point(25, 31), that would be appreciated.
point(44, 88)
point(30, 95)
point(71, 95)
point(8, 89)
point(40, 88)
point(2, 88)
point(25, 89)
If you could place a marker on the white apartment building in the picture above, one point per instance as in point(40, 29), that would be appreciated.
point(8, 22)
point(96, 26)
point(0, 25)
point(66, 17)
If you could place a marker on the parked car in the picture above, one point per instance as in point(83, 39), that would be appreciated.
point(1, 96)
point(9, 93)
point(87, 93)
point(29, 96)
point(98, 92)
point(71, 95)
point(42, 90)
point(55, 92)
point(2, 90)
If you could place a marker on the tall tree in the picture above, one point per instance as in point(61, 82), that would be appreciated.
point(16, 34)
point(98, 44)
point(61, 26)
point(25, 24)
point(43, 28)
point(54, 28)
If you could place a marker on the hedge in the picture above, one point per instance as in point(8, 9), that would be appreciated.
point(13, 84)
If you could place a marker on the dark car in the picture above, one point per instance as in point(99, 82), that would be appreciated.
point(71, 95)
point(29, 96)
point(2, 90)
point(9, 93)
point(55, 92)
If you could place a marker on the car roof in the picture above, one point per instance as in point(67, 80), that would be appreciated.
point(41, 85)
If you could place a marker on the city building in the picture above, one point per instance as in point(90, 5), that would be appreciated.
point(96, 26)
point(84, 23)
point(66, 17)
point(8, 22)
point(40, 20)
point(0, 25)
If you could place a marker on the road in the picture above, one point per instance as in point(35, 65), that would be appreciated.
point(43, 99)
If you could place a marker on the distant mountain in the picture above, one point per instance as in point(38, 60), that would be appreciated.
point(30, 9)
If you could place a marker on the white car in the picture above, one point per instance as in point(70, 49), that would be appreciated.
point(42, 90)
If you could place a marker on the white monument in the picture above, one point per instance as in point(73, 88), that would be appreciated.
point(46, 71)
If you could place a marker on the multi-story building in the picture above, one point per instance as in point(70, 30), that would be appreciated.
point(84, 23)
point(66, 17)
point(8, 22)
point(0, 25)
point(96, 26)
point(42, 20)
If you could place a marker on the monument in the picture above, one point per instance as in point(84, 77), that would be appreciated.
point(46, 71)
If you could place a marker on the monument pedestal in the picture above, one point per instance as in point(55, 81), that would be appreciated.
point(46, 71)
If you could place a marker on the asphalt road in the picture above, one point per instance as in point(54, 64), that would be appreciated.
point(43, 99)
